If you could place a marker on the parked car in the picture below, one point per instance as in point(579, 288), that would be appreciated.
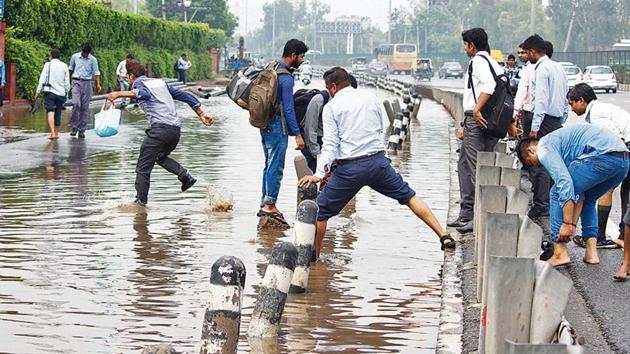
point(573, 74)
point(566, 63)
point(359, 64)
point(377, 68)
point(600, 77)
point(451, 69)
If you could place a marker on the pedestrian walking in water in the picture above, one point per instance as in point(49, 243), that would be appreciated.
point(83, 70)
point(550, 110)
point(155, 98)
point(585, 161)
point(353, 136)
point(584, 103)
point(479, 87)
point(54, 81)
point(275, 136)
point(121, 73)
point(183, 64)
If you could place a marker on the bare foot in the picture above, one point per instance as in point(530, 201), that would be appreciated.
point(590, 255)
point(557, 261)
point(622, 273)
point(53, 137)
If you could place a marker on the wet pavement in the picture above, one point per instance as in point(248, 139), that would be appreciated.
point(83, 270)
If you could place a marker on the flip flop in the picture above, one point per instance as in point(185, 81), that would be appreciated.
point(589, 263)
point(563, 265)
point(272, 215)
point(449, 245)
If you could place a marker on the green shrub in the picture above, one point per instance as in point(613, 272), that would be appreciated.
point(29, 57)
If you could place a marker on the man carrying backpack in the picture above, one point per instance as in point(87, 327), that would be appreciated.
point(309, 105)
point(275, 135)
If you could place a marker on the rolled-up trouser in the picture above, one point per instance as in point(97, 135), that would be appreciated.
point(81, 96)
point(160, 141)
point(474, 141)
point(541, 181)
point(592, 177)
point(274, 143)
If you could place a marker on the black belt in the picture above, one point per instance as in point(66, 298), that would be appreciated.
point(622, 154)
point(361, 158)
point(77, 79)
point(162, 125)
point(554, 117)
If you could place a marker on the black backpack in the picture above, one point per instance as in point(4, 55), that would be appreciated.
point(499, 109)
point(302, 98)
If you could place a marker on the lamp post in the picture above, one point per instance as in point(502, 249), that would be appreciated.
point(186, 4)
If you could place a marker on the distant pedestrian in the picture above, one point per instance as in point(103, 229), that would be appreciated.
point(585, 161)
point(121, 73)
point(584, 103)
point(550, 110)
point(54, 81)
point(183, 64)
point(2, 82)
point(479, 86)
point(353, 136)
point(275, 136)
point(156, 100)
point(511, 68)
point(83, 70)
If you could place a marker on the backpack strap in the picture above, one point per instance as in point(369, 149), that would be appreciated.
point(326, 95)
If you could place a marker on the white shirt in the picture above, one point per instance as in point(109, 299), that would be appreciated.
point(482, 79)
point(59, 78)
point(353, 127)
point(183, 64)
point(121, 70)
point(609, 116)
point(306, 69)
point(523, 98)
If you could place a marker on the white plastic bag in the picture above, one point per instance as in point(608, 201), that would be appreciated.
point(106, 122)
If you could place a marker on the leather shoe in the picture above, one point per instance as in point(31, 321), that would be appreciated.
point(187, 181)
point(466, 228)
point(73, 132)
point(459, 222)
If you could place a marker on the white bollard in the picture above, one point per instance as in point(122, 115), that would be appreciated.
point(272, 296)
point(485, 158)
point(510, 177)
point(222, 319)
point(526, 348)
point(517, 201)
point(509, 302)
point(551, 295)
point(304, 239)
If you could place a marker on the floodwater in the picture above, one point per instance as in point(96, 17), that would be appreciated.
point(82, 271)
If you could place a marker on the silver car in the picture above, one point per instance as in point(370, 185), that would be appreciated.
point(573, 74)
point(600, 77)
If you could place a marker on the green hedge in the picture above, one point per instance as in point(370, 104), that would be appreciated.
point(66, 24)
point(36, 26)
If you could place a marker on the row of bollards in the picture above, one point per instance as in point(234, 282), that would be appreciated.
point(522, 299)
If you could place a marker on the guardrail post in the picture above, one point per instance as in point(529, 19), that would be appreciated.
point(551, 295)
point(304, 239)
point(390, 111)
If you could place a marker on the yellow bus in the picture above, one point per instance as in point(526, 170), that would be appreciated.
point(399, 57)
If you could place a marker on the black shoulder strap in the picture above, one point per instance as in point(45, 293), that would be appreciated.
point(326, 95)
point(537, 64)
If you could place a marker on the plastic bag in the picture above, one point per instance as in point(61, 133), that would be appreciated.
point(106, 122)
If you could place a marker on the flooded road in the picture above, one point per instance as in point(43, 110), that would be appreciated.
point(83, 271)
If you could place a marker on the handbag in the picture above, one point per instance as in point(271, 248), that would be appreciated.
point(499, 109)
point(107, 121)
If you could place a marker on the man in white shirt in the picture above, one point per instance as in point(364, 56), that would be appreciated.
point(121, 73)
point(583, 102)
point(54, 81)
point(183, 64)
point(478, 89)
point(353, 136)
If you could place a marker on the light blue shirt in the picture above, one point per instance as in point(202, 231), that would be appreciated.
point(557, 150)
point(84, 68)
point(156, 99)
point(353, 127)
point(549, 92)
point(2, 73)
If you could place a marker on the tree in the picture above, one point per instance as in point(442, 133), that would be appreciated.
point(213, 12)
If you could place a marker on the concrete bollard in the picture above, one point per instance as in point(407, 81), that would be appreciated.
point(551, 295)
point(304, 239)
point(308, 192)
point(403, 129)
point(504, 160)
point(486, 158)
point(390, 111)
point(484, 176)
point(526, 348)
point(265, 320)
point(416, 108)
point(396, 106)
point(406, 98)
point(394, 139)
point(509, 302)
point(301, 167)
point(501, 147)
point(222, 319)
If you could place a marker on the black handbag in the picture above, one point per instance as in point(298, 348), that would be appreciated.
point(499, 109)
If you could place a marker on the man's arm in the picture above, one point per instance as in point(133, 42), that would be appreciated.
point(66, 80)
point(541, 97)
point(286, 86)
point(42, 80)
point(185, 97)
point(97, 74)
point(311, 123)
point(331, 142)
point(552, 161)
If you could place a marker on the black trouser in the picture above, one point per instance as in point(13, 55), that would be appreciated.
point(541, 181)
point(625, 199)
point(160, 141)
point(183, 77)
point(474, 141)
point(54, 103)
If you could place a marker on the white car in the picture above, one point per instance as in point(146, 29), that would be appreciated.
point(573, 74)
point(566, 63)
point(600, 77)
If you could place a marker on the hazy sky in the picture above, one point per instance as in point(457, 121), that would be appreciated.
point(376, 9)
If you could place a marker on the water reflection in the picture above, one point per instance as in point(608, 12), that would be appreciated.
point(80, 271)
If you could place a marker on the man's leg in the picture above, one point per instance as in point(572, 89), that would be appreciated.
point(86, 96)
point(59, 101)
point(76, 107)
point(170, 138)
point(311, 161)
point(541, 181)
point(560, 250)
point(624, 270)
point(146, 160)
point(623, 191)
point(263, 135)
point(604, 204)
point(276, 144)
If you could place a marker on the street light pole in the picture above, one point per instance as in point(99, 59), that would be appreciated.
point(163, 11)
